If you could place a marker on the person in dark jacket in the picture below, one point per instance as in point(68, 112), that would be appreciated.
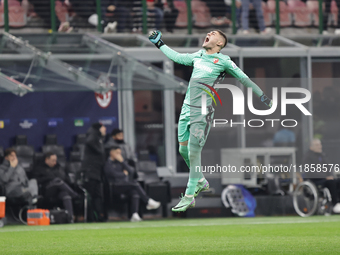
point(117, 139)
point(314, 158)
point(13, 177)
point(52, 178)
point(117, 170)
point(116, 10)
point(92, 166)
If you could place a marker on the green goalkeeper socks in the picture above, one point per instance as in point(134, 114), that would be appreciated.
point(194, 154)
point(183, 150)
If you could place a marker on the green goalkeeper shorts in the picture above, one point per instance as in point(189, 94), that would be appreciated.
point(192, 121)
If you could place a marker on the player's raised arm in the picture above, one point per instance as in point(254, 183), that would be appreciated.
point(236, 72)
point(183, 59)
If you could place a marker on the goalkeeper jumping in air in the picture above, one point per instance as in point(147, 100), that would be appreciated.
point(210, 68)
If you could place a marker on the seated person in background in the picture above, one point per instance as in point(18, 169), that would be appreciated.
point(116, 13)
point(218, 10)
point(117, 139)
point(118, 171)
point(155, 14)
point(170, 15)
point(326, 179)
point(51, 176)
point(13, 177)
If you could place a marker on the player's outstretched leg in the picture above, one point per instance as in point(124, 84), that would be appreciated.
point(195, 175)
point(185, 203)
point(183, 150)
point(202, 183)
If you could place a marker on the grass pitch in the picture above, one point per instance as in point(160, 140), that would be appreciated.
point(260, 235)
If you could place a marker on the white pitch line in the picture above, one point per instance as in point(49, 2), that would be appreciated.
point(177, 224)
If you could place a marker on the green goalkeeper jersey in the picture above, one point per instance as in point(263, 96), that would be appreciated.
point(208, 69)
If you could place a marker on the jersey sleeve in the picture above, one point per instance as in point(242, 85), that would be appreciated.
point(183, 59)
point(232, 69)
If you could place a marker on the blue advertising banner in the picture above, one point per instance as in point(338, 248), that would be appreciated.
point(65, 114)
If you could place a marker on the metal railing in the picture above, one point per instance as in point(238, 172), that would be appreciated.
point(275, 13)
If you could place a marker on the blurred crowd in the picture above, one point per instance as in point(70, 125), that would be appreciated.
point(127, 15)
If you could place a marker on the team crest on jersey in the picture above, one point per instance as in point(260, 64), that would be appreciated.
point(215, 60)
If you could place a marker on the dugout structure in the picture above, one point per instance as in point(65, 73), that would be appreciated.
point(70, 62)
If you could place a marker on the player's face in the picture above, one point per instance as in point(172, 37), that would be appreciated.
point(212, 39)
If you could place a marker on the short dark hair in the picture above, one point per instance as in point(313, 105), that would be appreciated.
point(9, 151)
point(49, 154)
point(114, 147)
point(224, 36)
point(96, 125)
point(116, 131)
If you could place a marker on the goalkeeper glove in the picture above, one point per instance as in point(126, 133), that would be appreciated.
point(266, 100)
point(155, 38)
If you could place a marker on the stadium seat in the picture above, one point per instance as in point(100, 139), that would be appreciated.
point(81, 149)
point(73, 170)
point(334, 12)
point(313, 7)
point(75, 176)
point(81, 139)
point(21, 140)
point(75, 156)
point(38, 158)
point(300, 12)
point(268, 19)
point(25, 154)
point(201, 13)
point(1, 154)
point(17, 16)
point(154, 187)
point(285, 18)
point(51, 140)
point(182, 18)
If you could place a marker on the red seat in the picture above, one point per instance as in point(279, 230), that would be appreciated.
point(201, 13)
point(16, 14)
point(313, 7)
point(285, 19)
point(268, 17)
point(182, 18)
point(300, 12)
point(334, 12)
